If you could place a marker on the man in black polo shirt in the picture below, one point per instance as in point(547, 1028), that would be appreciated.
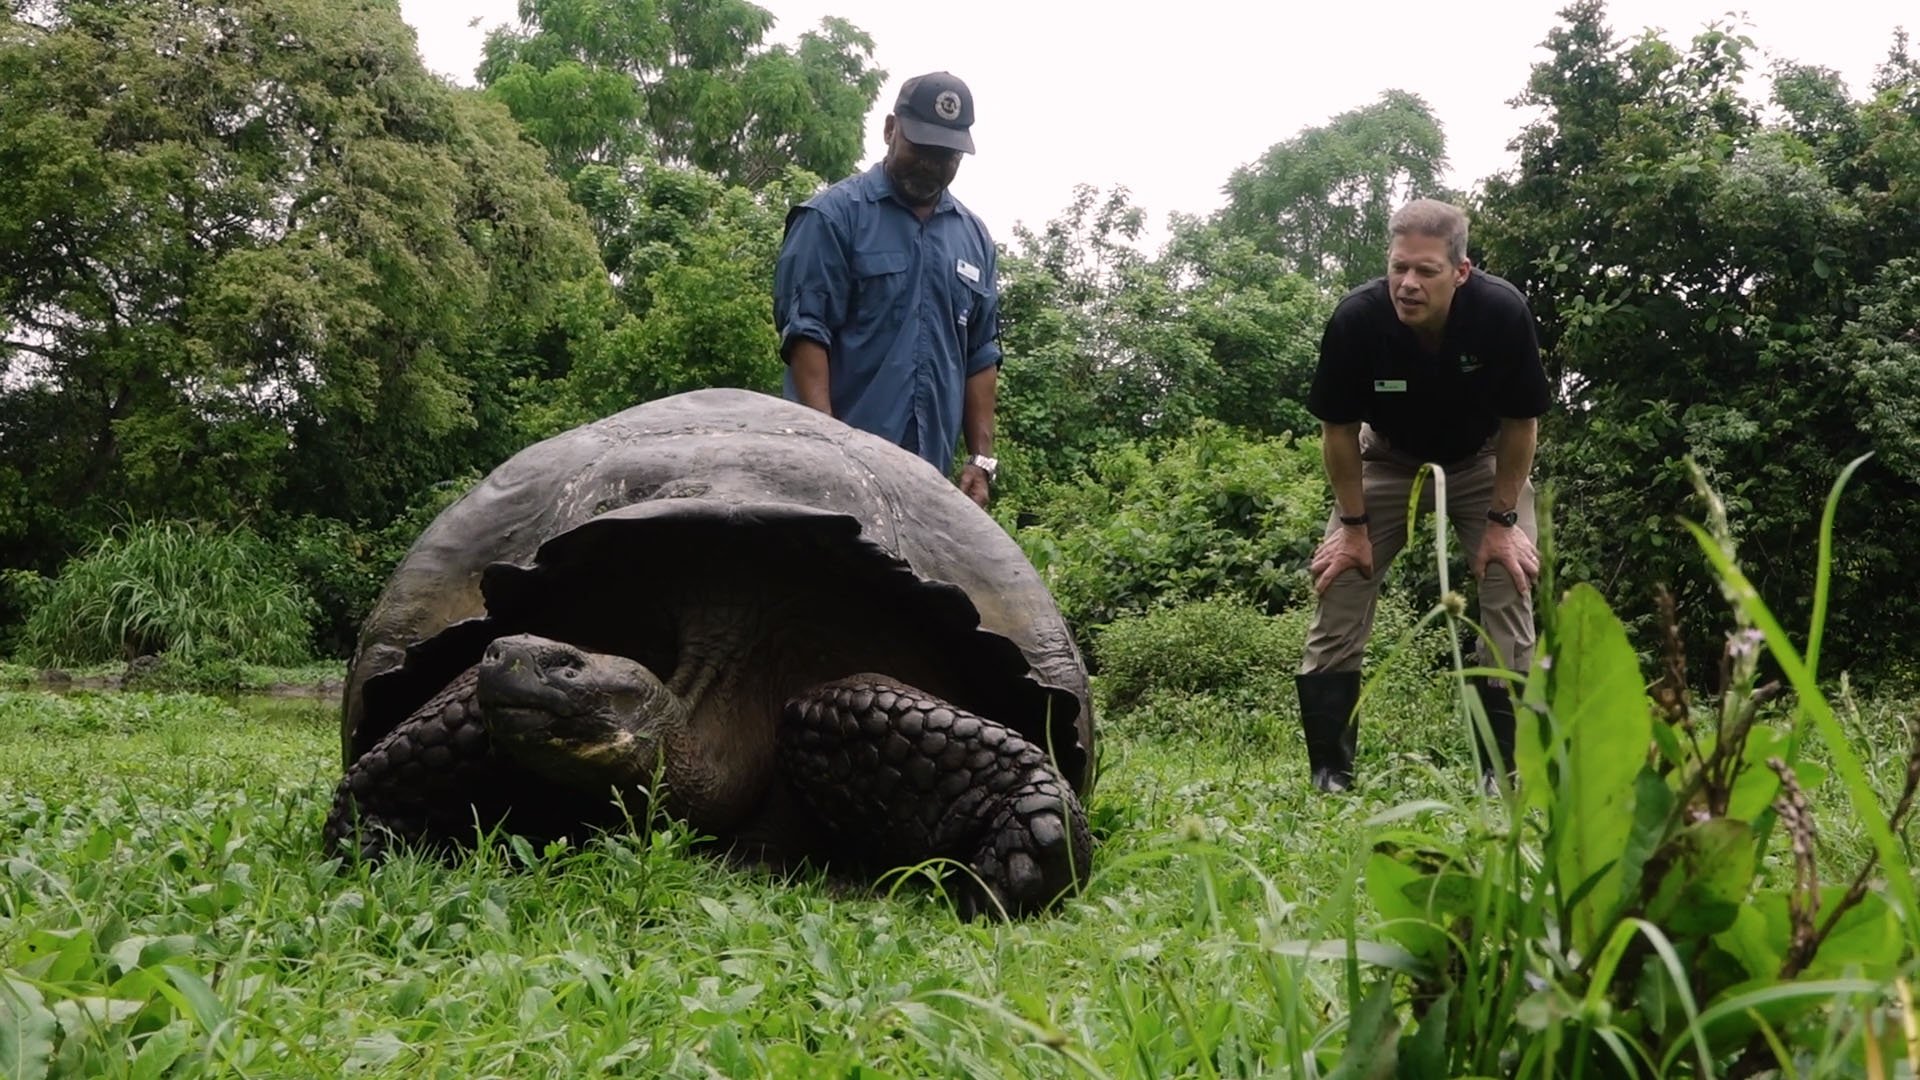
point(1435, 362)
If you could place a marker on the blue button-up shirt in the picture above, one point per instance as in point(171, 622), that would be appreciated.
point(906, 309)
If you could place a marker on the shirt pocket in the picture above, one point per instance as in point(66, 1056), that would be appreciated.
point(969, 299)
point(879, 286)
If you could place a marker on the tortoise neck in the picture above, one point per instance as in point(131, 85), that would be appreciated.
point(719, 757)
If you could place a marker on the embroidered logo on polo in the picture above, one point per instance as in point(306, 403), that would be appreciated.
point(1469, 364)
point(947, 105)
point(1394, 386)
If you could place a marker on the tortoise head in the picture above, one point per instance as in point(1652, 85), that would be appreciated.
point(581, 719)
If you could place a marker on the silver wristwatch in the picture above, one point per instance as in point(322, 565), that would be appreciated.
point(985, 464)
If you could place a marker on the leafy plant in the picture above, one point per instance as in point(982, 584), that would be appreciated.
point(174, 587)
point(1222, 668)
point(1620, 919)
point(1194, 519)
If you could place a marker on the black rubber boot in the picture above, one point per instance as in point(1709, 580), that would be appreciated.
point(1499, 705)
point(1327, 702)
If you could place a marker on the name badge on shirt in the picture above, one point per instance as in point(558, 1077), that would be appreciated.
point(1391, 385)
point(969, 271)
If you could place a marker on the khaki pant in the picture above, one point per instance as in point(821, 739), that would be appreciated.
point(1337, 640)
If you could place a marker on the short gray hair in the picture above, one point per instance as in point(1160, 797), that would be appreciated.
point(1431, 217)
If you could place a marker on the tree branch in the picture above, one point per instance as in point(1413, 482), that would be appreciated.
point(22, 346)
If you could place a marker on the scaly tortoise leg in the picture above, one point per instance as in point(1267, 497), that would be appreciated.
point(894, 770)
point(420, 785)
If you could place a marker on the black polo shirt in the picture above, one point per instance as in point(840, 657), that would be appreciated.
point(1442, 406)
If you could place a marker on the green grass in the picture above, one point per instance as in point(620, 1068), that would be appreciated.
point(163, 901)
point(174, 839)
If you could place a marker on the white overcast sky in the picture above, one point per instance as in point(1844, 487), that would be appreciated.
point(1170, 102)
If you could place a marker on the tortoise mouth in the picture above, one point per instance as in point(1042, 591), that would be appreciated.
point(529, 685)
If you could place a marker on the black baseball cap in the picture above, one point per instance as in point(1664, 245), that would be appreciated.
point(936, 110)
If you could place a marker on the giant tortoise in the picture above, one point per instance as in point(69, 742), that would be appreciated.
point(795, 636)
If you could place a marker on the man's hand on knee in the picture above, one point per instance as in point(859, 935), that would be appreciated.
point(1349, 548)
point(1509, 548)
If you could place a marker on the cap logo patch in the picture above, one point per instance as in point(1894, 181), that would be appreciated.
point(947, 105)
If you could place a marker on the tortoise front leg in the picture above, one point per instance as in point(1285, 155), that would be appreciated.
point(422, 784)
point(903, 776)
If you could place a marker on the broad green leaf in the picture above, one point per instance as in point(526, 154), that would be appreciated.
point(1445, 896)
point(1705, 873)
point(1866, 940)
point(1391, 885)
point(1657, 1004)
point(1757, 785)
point(1729, 1020)
point(199, 1004)
point(134, 953)
point(161, 1050)
point(1602, 707)
point(1423, 1054)
point(1372, 1033)
point(1757, 940)
point(1671, 751)
point(58, 956)
point(27, 1028)
point(1652, 805)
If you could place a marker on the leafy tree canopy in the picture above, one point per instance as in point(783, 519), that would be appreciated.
point(1320, 200)
point(684, 82)
point(252, 252)
point(1716, 285)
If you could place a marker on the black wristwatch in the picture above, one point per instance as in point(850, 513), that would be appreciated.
point(1357, 519)
point(1509, 518)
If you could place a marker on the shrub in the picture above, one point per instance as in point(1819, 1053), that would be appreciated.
point(1649, 901)
point(343, 565)
point(173, 587)
point(1218, 513)
point(1221, 668)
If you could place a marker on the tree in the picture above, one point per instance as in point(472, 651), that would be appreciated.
point(254, 256)
point(1713, 286)
point(684, 82)
point(693, 259)
point(1320, 200)
point(1107, 345)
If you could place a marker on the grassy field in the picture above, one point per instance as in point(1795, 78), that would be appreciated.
point(165, 911)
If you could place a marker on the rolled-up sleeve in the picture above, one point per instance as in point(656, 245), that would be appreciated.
point(810, 280)
point(983, 333)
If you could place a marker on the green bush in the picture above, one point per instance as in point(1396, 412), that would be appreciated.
point(1216, 513)
point(1647, 898)
point(173, 587)
point(1222, 669)
point(343, 565)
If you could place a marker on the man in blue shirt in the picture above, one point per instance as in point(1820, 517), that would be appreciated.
point(885, 295)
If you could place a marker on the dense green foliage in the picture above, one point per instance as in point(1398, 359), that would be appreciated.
point(1652, 904)
point(188, 591)
point(1219, 670)
point(1714, 284)
point(693, 262)
point(684, 83)
point(284, 278)
point(1196, 520)
point(1321, 199)
point(255, 260)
